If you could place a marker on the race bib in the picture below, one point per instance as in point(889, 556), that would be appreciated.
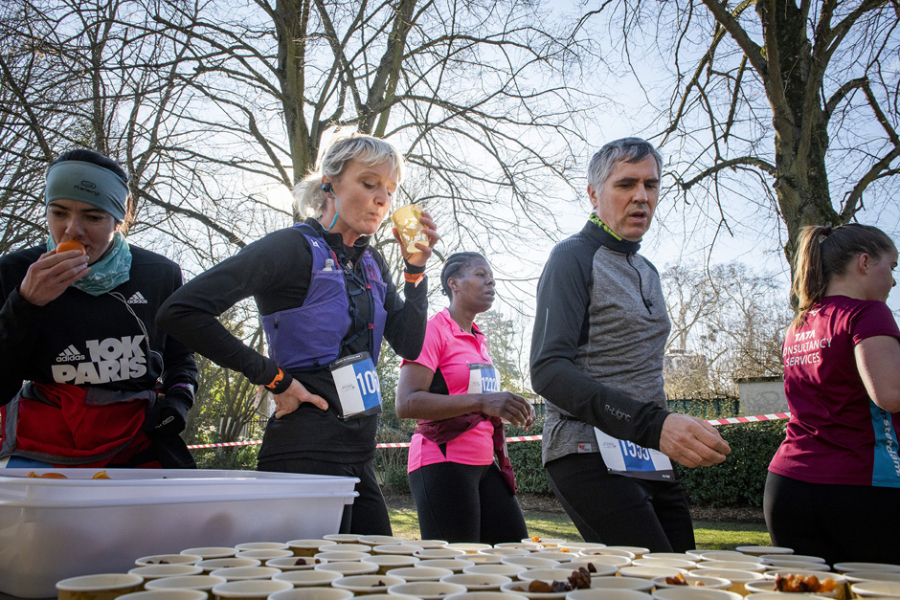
point(483, 379)
point(358, 388)
point(629, 459)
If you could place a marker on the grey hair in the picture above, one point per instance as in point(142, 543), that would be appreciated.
point(630, 150)
point(309, 199)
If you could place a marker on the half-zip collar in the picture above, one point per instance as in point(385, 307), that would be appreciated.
point(598, 231)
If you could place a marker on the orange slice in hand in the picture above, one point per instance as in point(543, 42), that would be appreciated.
point(70, 245)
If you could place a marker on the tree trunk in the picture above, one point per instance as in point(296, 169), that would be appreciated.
point(800, 123)
point(292, 19)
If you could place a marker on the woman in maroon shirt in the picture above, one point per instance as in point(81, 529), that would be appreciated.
point(835, 480)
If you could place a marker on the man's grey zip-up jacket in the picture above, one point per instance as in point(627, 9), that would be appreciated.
point(598, 344)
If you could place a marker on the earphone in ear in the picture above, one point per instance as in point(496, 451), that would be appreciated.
point(326, 187)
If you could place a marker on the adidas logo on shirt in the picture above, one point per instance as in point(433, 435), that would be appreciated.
point(70, 354)
point(137, 298)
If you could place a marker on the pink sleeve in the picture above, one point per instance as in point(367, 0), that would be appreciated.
point(873, 319)
point(432, 348)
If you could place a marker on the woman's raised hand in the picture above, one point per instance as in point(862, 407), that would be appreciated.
point(418, 259)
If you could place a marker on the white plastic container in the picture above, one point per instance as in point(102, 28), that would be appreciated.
point(53, 529)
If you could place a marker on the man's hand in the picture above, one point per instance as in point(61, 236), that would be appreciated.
point(692, 442)
point(49, 276)
point(289, 400)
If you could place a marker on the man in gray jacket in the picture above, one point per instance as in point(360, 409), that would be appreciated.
point(597, 357)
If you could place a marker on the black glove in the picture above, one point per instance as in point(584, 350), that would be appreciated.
point(166, 417)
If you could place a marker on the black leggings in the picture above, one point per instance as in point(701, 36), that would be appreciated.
point(618, 510)
point(837, 522)
point(368, 514)
point(466, 503)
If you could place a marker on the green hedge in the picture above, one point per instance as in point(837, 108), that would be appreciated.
point(741, 479)
point(738, 482)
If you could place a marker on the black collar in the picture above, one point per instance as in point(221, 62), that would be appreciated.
point(604, 238)
point(336, 241)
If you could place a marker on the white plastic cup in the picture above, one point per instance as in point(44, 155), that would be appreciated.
point(406, 220)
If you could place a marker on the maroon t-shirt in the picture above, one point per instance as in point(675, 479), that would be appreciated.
point(836, 434)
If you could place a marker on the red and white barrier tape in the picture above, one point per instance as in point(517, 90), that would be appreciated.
point(523, 438)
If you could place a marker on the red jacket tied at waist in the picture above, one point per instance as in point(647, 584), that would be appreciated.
point(445, 430)
point(72, 425)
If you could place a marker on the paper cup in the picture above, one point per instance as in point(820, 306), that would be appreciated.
point(264, 555)
point(485, 559)
point(521, 588)
point(349, 568)
point(312, 594)
point(545, 542)
point(454, 564)
point(304, 579)
point(246, 573)
point(548, 575)
point(761, 550)
point(478, 583)
point(608, 552)
point(468, 548)
point(425, 544)
point(365, 585)
point(560, 557)
point(493, 595)
point(151, 572)
point(106, 586)
point(342, 538)
point(257, 589)
point(694, 594)
point(262, 546)
point(380, 540)
point(511, 571)
point(611, 582)
point(723, 555)
point(427, 590)
point(406, 220)
point(870, 589)
point(737, 578)
point(602, 559)
point(414, 574)
point(207, 552)
point(651, 572)
point(601, 594)
point(168, 559)
point(671, 556)
point(731, 564)
point(166, 595)
point(638, 551)
point(310, 547)
point(529, 562)
point(849, 567)
point(204, 583)
point(339, 556)
point(292, 563)
point(392, 549)
point(214, 564)
point(438, 553)
point(709, 583)
point(387, 562)
point(768, 586)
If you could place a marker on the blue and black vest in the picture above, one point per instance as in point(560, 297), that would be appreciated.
point(313, 336)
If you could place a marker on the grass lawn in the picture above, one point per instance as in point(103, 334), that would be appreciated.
point(709, 534)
